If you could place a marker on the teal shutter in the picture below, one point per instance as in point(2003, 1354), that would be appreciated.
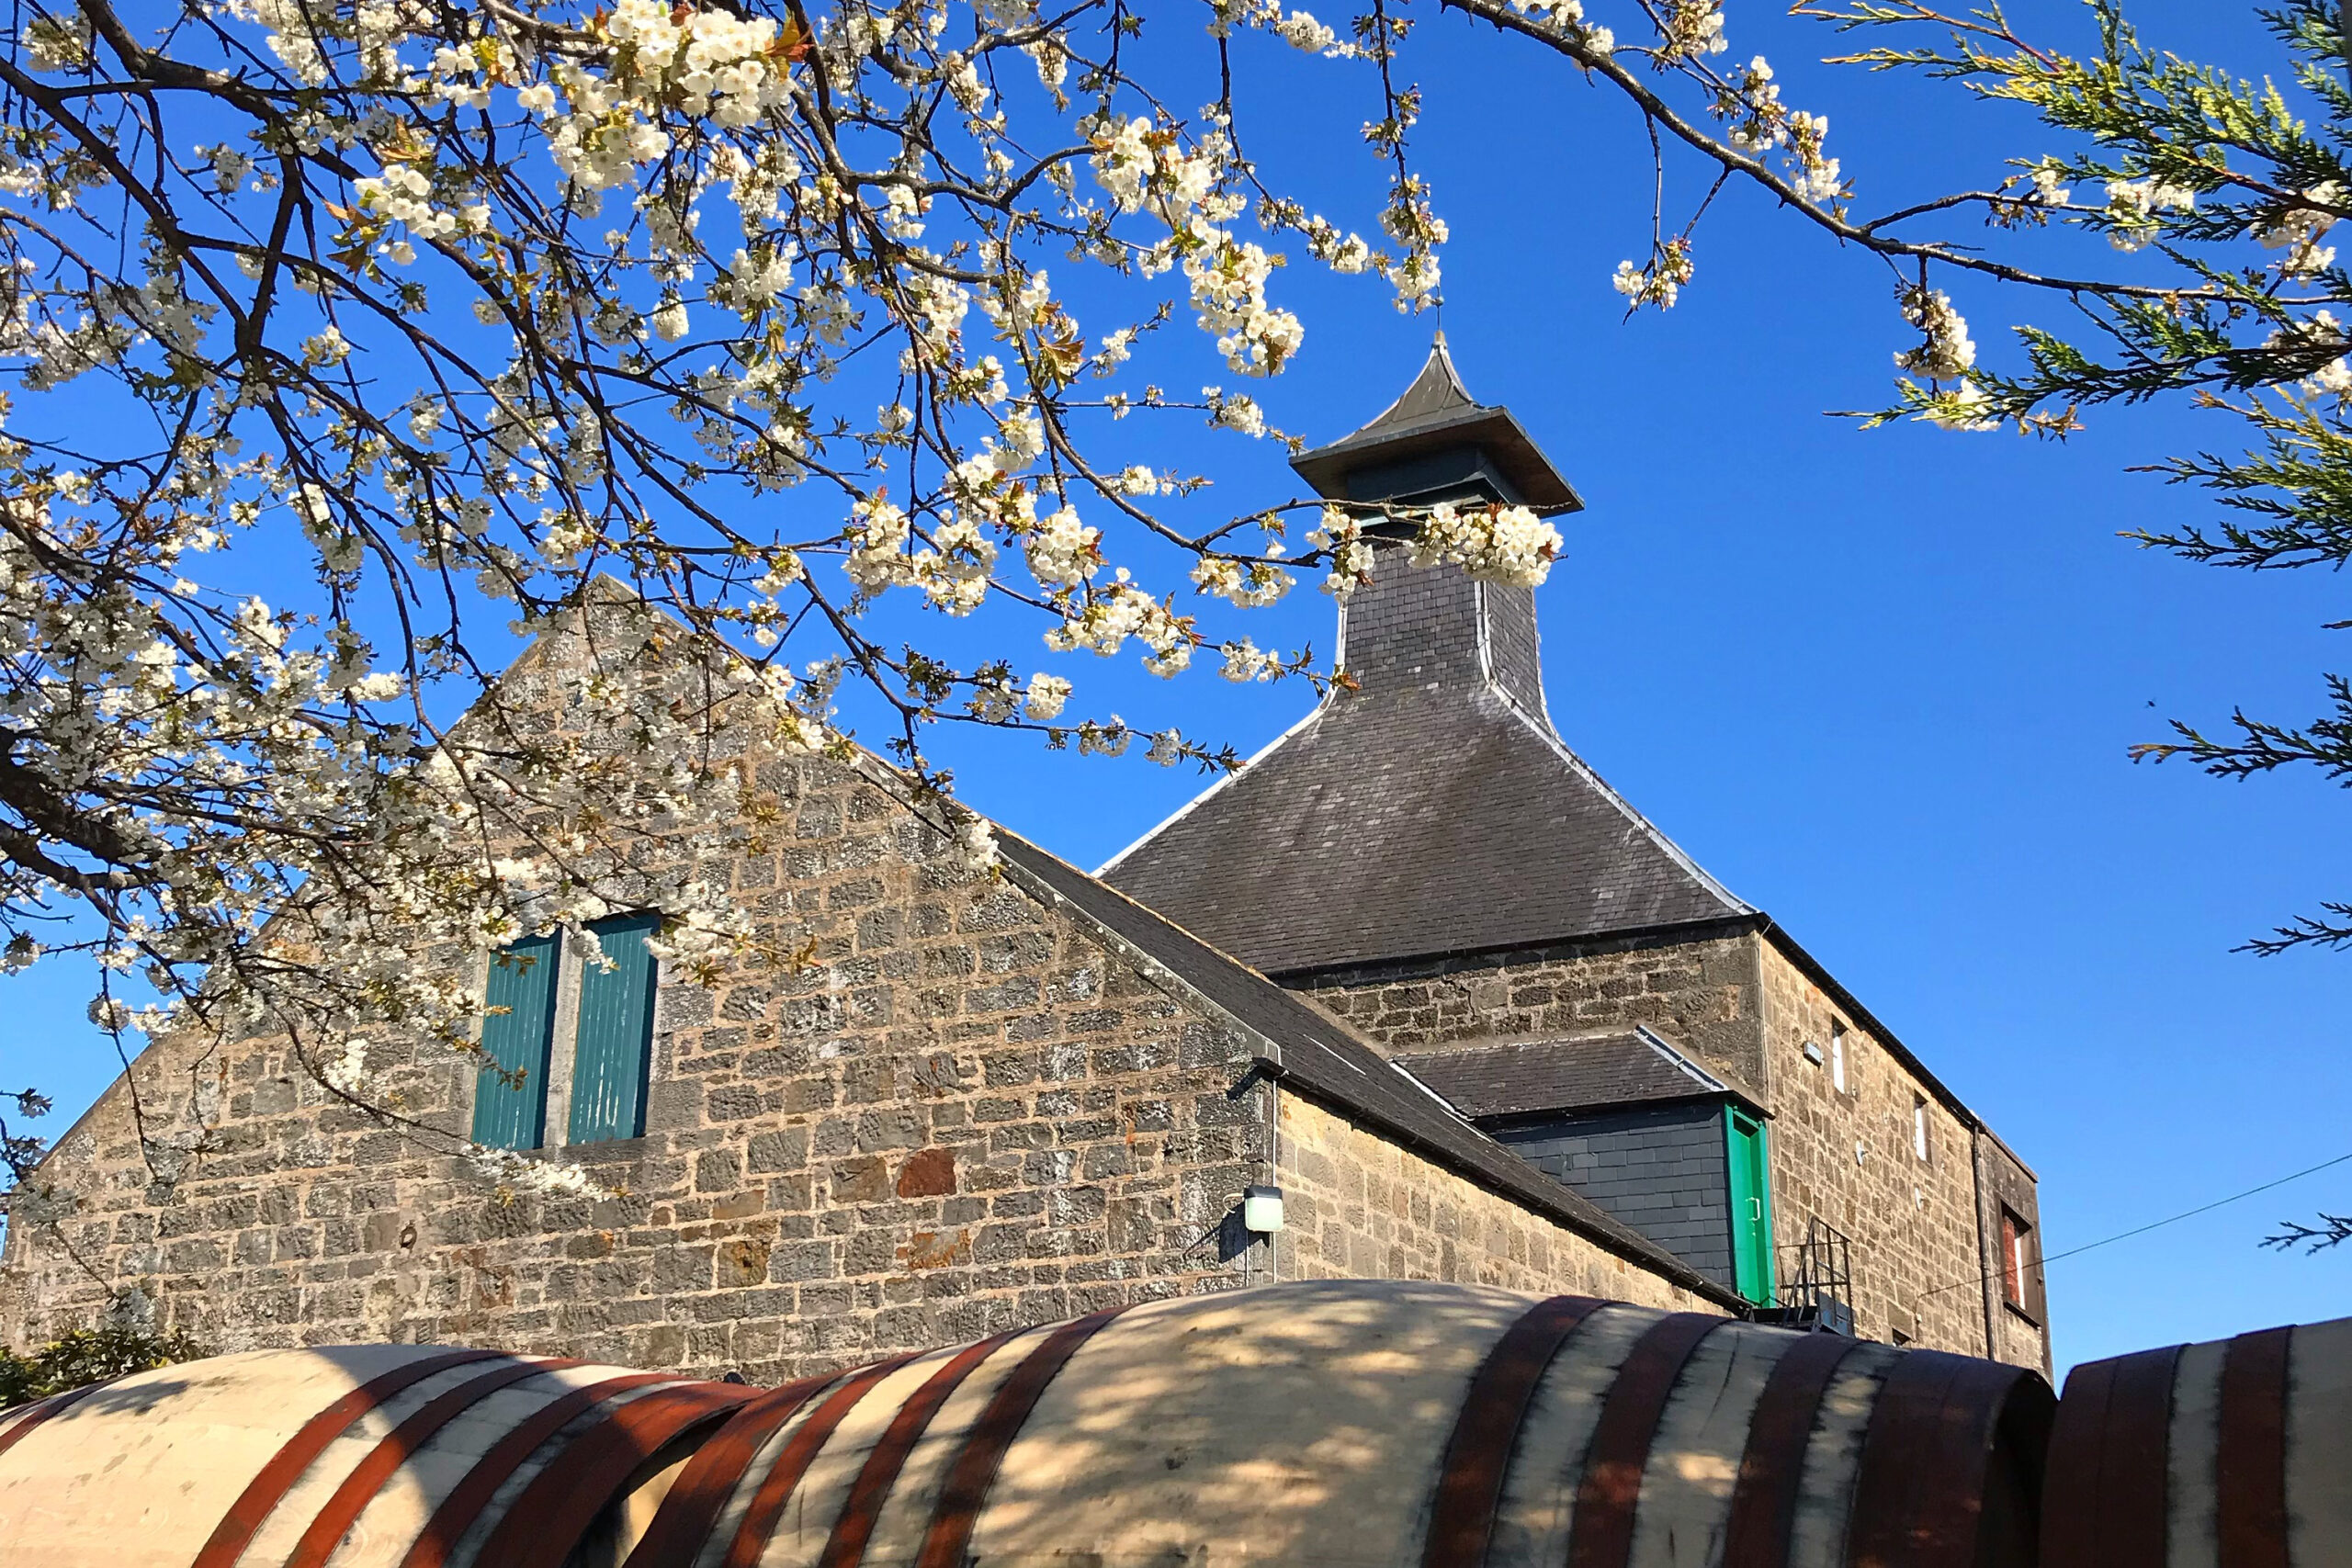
point(1751, 1206)
point(522, 984)
point(616, 1037)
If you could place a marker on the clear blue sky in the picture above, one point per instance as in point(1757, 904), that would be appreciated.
point(1880, 685)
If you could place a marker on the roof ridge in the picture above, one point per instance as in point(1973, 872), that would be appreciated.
point(1584, 771)
point(1305, 720)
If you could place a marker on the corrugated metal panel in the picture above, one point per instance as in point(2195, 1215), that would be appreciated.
point(522, 981)
point(616, 1037)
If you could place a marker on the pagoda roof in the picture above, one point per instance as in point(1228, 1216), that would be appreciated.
point(1437, 413)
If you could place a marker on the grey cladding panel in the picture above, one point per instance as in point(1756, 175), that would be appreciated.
point(1658, 1170)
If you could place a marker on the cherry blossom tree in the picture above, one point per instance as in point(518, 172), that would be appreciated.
point(486, 317)
point(760, 320)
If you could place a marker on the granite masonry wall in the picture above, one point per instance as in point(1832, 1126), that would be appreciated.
point(1851, 1157)
point(1356, 1206)
point(2020, 1329)
point(1704, 994)
point(959, 1110)
point(1746, 1010)
point(963, 1114)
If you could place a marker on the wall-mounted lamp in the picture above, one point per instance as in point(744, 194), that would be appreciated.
point(1261, 1210)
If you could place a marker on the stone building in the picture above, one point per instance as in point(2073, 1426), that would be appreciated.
point(1426, 859)
point(1415, 981)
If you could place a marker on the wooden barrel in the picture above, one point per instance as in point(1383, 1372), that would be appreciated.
point(1343, 1423)
point(2236, 1453)
point(1376, 1423)
point(373, 1456)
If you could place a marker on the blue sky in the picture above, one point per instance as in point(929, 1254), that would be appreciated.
point(1880, 683)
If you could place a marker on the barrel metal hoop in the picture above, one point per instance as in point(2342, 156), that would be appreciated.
point(1919, 1498)
point(1477, 1456)
point(845, 1548)
point(2070, 1526)
point(359, 1488)
point(2251, 1464)
point(263, 1494)
point(1771, 1469)
point(48, 1409)
point(965, 1490)
point(799, 1450)
point(2135, 1468)
point(682, 1525)
point(469, 1497)
point(562, 1501)
point(1600, 1534)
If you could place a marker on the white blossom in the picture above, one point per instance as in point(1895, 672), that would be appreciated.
point(1045, 696)
point(1497, 543)
point(1948, 352)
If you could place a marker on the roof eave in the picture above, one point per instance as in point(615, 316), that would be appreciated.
point(1494, 430)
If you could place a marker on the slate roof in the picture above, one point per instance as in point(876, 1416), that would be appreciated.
point(1310, 1053)
point(1597, 1072)
point(1438, 412)
point(1409, 824)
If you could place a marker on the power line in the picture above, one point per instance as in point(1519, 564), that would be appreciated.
point(2152, 1226)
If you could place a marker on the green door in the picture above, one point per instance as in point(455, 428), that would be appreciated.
point(517, 1026)
point(1751, 1206)
point(616, 1037)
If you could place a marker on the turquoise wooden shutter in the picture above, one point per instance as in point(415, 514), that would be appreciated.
point(1751, 1206)
point(522, 982)
point(615, 1038)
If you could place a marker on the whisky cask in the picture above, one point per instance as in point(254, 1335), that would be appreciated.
point(1340, 1423)
point(1377, 1422)
point(364, 1456)
point(2235, 1453)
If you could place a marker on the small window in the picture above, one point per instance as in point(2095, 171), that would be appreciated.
point(1920, 1127)
point(2017, 1260)
point(611, 1030)
point(1838, 1057)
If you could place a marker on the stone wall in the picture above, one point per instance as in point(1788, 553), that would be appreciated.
point(2019, 1330)
point(1850, 1158)
point(961, 1109)
point(961, 1115)
point(1356, 1206)
point(1703, 993)
point(1746, 1010)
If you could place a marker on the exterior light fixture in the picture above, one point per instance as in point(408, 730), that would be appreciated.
point(1261, 1210)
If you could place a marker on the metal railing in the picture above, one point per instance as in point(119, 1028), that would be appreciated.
point(1817, 1286)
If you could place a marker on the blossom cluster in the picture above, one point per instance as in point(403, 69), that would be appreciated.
point(1947, 352)
point(1758, 121)
point(1495, 543)
point(2134, 210)
point(1661, 282)
point(2299, 229)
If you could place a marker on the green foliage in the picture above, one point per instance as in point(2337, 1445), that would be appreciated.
point(2229, 184)
point(88, 1356)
